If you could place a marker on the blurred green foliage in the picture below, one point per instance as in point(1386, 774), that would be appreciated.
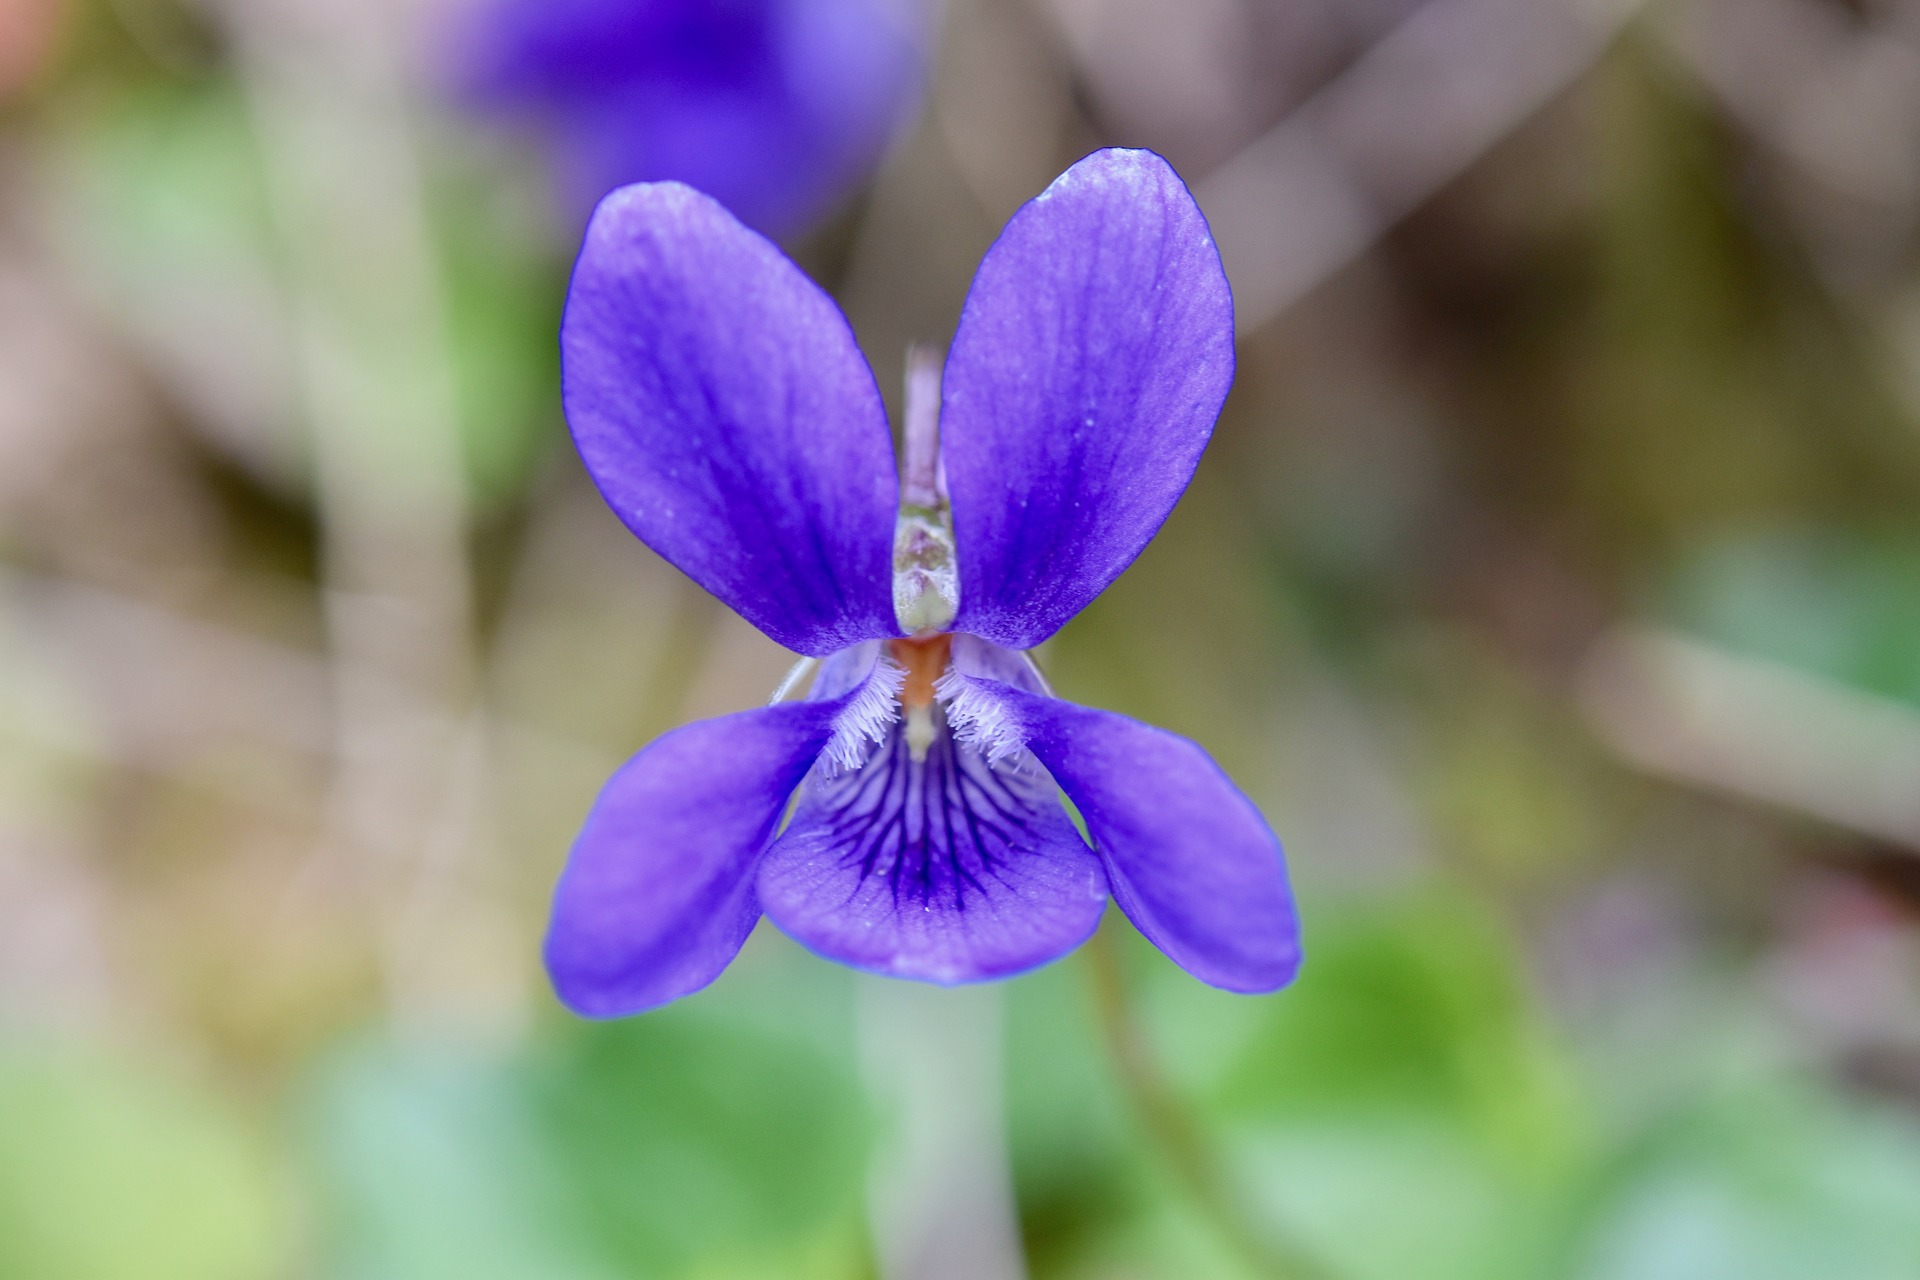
point(668, 1146)
point(1840, 605)
point(175, 214)
point(113, 1168)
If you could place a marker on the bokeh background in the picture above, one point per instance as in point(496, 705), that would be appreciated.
point(1553, 583)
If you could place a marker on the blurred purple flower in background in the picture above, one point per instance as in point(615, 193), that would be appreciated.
point(719, 400)
point(773, 107)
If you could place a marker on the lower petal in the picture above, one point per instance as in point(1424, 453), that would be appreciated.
point(658, 895)
point(944, 869)
point(1190, 859)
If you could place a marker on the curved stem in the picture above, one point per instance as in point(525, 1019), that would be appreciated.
point(1175, 1132)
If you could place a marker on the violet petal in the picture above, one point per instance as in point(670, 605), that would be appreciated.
point(1189, 858)
point(773, 107)
point(658, 896)
point(1093, 354)
point(947, 870)
point(718, 399)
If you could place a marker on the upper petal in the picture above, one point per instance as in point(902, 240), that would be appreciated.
point(1189, 858)
point(657, 896)
point(1092, 357)
point(718, 399)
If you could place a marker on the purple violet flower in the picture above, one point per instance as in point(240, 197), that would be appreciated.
point(718, 398)
point(774, 107)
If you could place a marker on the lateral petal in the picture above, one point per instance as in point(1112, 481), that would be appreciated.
point(657, 896)
point(1091, 359)
point(719, 401)
point(1189, 858)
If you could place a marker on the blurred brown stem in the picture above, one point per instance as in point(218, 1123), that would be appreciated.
point(1175, 1132)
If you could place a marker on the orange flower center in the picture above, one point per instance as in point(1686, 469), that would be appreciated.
point(925, 661)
